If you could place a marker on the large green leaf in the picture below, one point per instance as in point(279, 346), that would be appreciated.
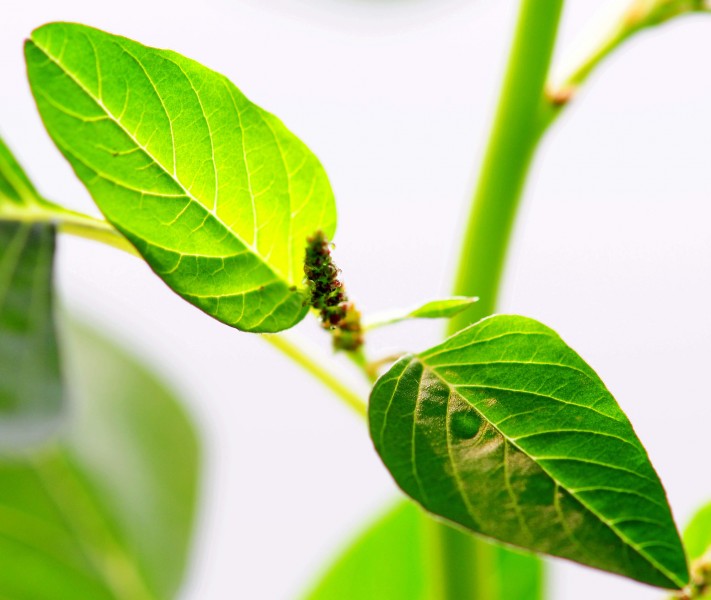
point(507, 431)
point(31, 391)
point(215, 193)
point(106, 512)
point(394, 557)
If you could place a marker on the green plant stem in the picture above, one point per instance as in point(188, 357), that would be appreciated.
point(95, 229)
point(360, 360)
point(526, 110)
point(70, 222)
point(463, 566)
point(514, 136)
point(315, 367)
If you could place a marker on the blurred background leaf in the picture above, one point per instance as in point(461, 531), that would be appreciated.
point(393, 557)
point(697, 535)
point(384, 561)
point(107, 510)
point(31, 394)
point(697, 542)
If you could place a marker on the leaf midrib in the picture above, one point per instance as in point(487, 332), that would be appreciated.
point(640, 551)
point(189, 196)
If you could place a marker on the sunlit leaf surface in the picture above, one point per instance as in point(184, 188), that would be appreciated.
point(215, 193)
point(507, 431)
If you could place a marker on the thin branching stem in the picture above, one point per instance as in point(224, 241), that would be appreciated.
point(101, 231)
point(71, 222)
point(315, 366)
point(620, 24)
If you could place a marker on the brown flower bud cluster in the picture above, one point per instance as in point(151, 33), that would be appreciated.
point(328, 296)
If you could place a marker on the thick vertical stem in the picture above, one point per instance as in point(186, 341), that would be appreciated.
point(515, 133)
point(466, 567)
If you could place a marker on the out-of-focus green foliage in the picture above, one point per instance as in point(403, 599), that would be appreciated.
point(386, 561)
point(394, 558)
point(107, 510)
point(31, 392)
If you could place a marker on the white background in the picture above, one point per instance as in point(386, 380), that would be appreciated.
point(612, 248)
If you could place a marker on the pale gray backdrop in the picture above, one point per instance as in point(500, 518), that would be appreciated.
point(613, 247)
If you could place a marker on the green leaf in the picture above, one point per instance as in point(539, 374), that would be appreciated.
point(31, 389)
point(394, 557)
point(436, 309)
point(214, 192)
point(507, 431)
point(107, 512)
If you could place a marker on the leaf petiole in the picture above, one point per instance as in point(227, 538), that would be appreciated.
point(314, 366)
point(68, 221)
